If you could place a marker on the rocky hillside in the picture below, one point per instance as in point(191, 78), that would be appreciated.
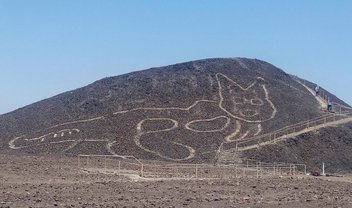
point(331, 145)
point(182, 112)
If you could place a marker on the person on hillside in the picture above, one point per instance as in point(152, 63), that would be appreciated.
point(316, 90)
point(329, 105)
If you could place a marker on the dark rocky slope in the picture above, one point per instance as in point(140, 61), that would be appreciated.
point(182, 112)
point(331, 145)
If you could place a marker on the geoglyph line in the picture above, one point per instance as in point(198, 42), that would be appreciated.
point(190, 149)
point(228, 120)
point(163, 109)
point(229, 138)
point(78, 121)
point(54, 135)
point(234, 134)
point(260, 129)
point(139, 125)
point(244, 89)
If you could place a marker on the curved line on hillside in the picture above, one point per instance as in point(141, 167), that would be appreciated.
point(190, 149)
point(140, 130)
point(187, 126)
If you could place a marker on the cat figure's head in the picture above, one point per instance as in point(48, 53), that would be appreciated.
point(250, 103)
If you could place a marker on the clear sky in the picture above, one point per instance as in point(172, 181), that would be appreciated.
point(49, 47)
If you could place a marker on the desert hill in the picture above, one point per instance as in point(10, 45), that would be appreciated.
point(182, 112)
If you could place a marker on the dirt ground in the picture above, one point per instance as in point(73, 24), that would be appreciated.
point(38, 181)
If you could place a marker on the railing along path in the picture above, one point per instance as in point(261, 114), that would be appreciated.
point(340, 113)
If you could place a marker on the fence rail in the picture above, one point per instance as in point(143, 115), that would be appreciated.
point(116, 165)
point(292, 129)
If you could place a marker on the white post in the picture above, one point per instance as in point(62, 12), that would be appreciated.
point(323, 169)
point(119, 168)
point(142, 170)
point(236, 170)
point(78, 163)
point(105, 163)
point(196, 171)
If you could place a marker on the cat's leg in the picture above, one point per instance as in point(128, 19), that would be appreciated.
point(244, 131)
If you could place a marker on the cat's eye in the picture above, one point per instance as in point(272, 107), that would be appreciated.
point(257, 101)
point(238, 100)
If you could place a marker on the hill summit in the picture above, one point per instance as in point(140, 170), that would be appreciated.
point(183, 112)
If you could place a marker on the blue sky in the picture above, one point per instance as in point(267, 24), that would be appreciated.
point(48, 47)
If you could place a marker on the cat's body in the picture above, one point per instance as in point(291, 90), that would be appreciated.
point(170, 133)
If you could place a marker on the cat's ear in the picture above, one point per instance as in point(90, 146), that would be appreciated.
point(228, 88)
point(259, 88)
point(227, 83)
point(260, 80)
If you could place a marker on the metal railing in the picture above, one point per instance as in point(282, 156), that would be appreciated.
point(291, 129)
point(109, 164)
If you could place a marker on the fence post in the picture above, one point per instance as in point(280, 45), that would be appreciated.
point(257, 170)
point(78, 163)
point(236, 170)
point(142, 170)
point(308, 124)
point(119, 168)
point(305, 169)
point(293, 170)
point(105, 163)
point(196, 170)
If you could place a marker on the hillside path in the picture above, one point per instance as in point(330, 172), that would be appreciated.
point(321, 101)
point(287, 136)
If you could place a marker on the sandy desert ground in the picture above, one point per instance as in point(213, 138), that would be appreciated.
point(39, 181)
